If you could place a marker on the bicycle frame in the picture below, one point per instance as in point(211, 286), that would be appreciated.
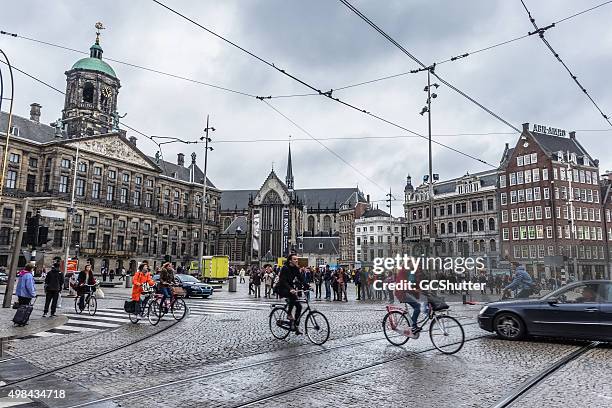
point(431, 314)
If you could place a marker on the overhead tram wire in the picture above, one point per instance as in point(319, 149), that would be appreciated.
point(327, 94)
point(540, 32)
point(415, 59)
point(64, 93)
point(129, 64)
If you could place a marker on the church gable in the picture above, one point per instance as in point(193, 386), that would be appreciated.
point(115, 147)
point(273, 191)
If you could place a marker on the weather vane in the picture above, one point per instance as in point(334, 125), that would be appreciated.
point(99, 26)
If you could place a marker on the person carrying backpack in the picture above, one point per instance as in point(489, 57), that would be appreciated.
point(53, 286)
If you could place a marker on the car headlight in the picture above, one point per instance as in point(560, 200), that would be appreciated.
point(484, 309)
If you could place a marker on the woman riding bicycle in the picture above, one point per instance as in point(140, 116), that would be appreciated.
point(85, 284)
point(287, 288)
point(141, 277)
point(166, 280)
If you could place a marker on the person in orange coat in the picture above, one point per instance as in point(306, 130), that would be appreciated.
point(141, 277)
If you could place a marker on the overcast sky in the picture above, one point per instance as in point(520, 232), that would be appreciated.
point(323, 43)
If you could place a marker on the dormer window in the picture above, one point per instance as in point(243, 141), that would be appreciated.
point(573, 158)
point(14, 131)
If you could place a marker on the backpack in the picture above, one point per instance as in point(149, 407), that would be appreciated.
point(437, 303)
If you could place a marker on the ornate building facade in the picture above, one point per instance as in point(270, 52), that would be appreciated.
point(128, 206)
point(278, 217)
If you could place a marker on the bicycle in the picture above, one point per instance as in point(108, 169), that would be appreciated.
point(91, 302)
point(316, 325)
point(144, 307)
point(445, 332)
point(156, 311)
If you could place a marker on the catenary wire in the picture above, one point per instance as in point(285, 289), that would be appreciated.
point(540, 32)
point(327, 94)
point(415, 59)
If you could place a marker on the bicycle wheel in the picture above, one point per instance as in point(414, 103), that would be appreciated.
point(446, 334)
point(134, 318)
point(179, 309)
point(154, 312)
point(77, 309)
point(317, 327)
point(92, 305)
point(395, 327)
point(279, 323)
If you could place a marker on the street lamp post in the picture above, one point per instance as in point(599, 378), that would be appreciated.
point(71, 210)
point(206, 140)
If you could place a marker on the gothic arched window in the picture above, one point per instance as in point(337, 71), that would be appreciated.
point(311, 223)
point(327, 223)
point(272, 197)
point(88, 92)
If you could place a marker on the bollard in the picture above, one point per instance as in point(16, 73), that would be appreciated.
point(128, 281)
point(464, 299)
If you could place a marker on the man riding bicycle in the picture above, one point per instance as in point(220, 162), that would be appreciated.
point(287, 288)
point(522, 281)
point(411, 297)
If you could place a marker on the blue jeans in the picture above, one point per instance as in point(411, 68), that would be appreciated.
point(166, 292)
point(416, 306)
point(327, 289)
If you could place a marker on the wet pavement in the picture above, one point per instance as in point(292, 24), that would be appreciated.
point(226, 357)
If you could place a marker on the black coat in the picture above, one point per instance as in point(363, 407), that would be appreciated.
point(54, 280)
point(81, 282)
point(288, 275)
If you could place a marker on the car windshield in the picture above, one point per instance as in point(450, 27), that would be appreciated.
point(187, 278)
point(561, 290)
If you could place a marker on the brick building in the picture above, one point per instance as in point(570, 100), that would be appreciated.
point(551, 210)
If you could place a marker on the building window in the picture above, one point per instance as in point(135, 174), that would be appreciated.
point(33, 162)
point(112, 174)
point(136, 198)
point(148, 198)
point(503, 198)
point(138, 180)
point(149, 183)
point(97, 171)
point(5, 235)
point(124, 195)
point(110, 193)
point(63, 184)
point(505, 234)
point(80, 187)
point(7, 213)
point(95, 191)
point(93, 220)
point(120, 242)
point(82, 167)
point(31, 183)
point(14, 158)
point(65, 163)
point(91, 240)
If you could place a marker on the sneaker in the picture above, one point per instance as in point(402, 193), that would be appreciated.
point(44, 314)
point(53, 315)
point(297, 331)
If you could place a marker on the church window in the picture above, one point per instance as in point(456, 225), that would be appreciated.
point(311, 223)
point(327, 223)
point(88, 92)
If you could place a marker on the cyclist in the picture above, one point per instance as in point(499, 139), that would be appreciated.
point(141, 277)
point(410, 297)
point(287, 288)
point(85, 278)
point(166, 280)
point(521, 281)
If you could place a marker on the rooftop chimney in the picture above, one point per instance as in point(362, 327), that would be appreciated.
point(180, 159)
point(368, 198)
point(193, 158)
point(526, 127)
point(35, 112)
point(572, 135)
point(133, 140)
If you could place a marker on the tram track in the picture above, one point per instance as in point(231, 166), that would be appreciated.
point(269, 361)
point(524, 388)
point(93, 357)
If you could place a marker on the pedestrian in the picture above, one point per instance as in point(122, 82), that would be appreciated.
point(257, 284)
point(327, 277)
point(104, 273)
point(334, 284)
point(251, 274)
point(268, 280)
point(123, 273)
point(54, 281)
point(111, 275)
point(357, 281)
point(242, 273)
point(307, 277)
point(25, 289)
point(342, 278)
point(318, 280)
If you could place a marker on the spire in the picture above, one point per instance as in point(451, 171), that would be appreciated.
point(96, 51)
point(289, 178)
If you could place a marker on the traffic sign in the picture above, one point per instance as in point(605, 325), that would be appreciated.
point(73, 265)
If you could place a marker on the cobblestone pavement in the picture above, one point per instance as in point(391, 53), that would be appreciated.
point(228, 360)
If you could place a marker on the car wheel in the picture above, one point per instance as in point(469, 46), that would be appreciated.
point(509, 326)
point(205, 296)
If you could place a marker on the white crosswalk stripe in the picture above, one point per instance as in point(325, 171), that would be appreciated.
point(108, 318)
point(104, 319)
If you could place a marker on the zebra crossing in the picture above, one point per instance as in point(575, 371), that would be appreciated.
point(111, 318)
